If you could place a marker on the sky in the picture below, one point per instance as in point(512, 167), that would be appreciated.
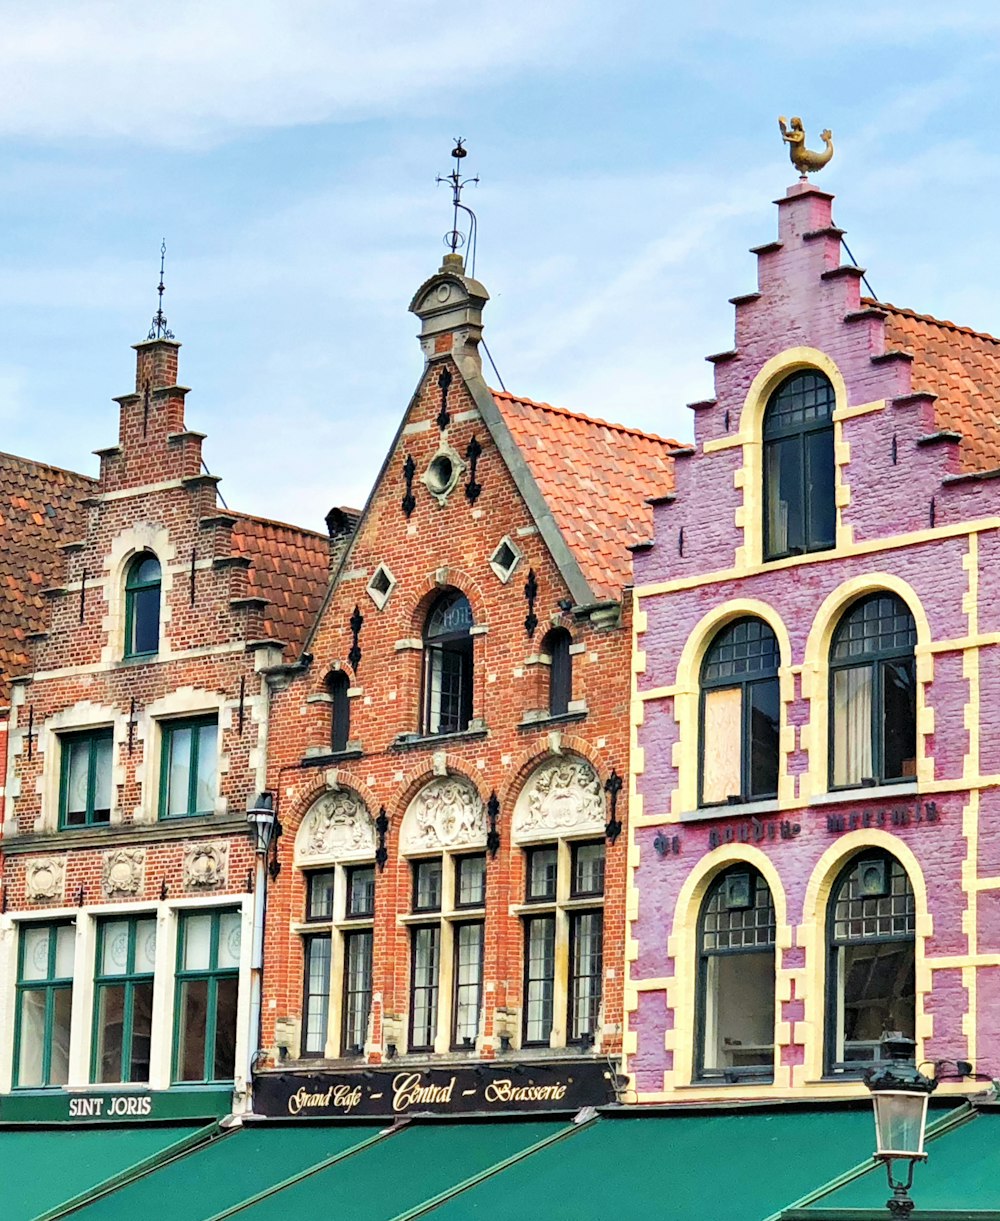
point(287, 151)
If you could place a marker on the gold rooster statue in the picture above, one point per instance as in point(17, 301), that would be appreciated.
point(803, 158)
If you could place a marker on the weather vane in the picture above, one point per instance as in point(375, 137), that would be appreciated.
point(159, 329)
point(803, 159)
point(456, 238)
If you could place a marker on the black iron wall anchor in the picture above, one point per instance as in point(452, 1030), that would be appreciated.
point(354, 654)
point(531, 593)
point(131, 725)
point(613, 786)
point(492, 819)
point(409, 470)
point(472, 489)
point(31, 730)
point(444, 381)
point(381, 830)
point(83, 594)
point(242, 711)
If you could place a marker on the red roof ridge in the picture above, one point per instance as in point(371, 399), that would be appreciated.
point(587, 419)
point(944, 323)
point(62, 470)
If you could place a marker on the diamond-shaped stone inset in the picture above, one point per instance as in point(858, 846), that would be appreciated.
point(505, 559)
point(381, 585)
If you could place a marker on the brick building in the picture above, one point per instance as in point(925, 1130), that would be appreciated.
point(138, 615)
point(449, 751)
point(814, 859)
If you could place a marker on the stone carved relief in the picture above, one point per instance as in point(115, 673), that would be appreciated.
point(123, 870)
point(45, 877)
point(563, 796)
point(336, 826)
point(205, 866)
point(446, 813)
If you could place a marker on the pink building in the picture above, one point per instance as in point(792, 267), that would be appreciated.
point(815, 828)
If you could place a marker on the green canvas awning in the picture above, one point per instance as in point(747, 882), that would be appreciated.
point(42, 1167)
point(959, 1181)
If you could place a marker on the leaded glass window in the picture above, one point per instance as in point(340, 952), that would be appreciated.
point(448, 668)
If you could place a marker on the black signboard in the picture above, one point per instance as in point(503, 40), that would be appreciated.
point(461, 1090)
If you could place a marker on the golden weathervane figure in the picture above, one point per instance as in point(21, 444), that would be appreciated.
point(802, 158)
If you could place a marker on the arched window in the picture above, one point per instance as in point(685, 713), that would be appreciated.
point(142, 606)
point(870, 973)
point(555, 646)
point(337, 685)
point(448, 665)
point(873, 706)
point(736, 935)
point(740, 714)
point(799, 509)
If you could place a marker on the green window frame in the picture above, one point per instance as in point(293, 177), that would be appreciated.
point(123, 999)
point(207, 996)
point(86, 778)
point(142, 606)
point(188, 766)
point(44, 1002)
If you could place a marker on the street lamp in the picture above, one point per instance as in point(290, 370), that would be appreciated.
point(264, 828)
point(900, 1093)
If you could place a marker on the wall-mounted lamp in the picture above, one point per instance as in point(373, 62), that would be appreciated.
point(900, 1093)
point(265, 830)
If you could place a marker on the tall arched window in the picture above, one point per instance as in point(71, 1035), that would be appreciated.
point(736, 935)
point(871, 960)
point(337, 685)
point(873, 706)
point(556, 646)
point(799, 509)
point(142, 606)
point(448, 665)
point(740, 714)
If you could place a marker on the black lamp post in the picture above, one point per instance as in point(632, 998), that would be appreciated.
point(264, 828)
point(900, 1093)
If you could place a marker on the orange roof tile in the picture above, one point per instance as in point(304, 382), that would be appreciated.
point(41, 507)
point(290, 568)
point(596, 478)
point(960, 366)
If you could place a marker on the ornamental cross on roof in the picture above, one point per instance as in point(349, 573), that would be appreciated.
point(159, 328)
point(455, 237)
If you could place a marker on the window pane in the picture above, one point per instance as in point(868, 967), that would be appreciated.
point(192, 1010)
point(225, 1029)
point(450, 686)
point(784, 532)
point(110, 1032)
point(425, 986)
point(540, 977)
point(765, 720)
point(899, 719)
point(65, 936)
point(77, 780)
point(319, 896)
point(542, 863)
point(876, 984)
point(145, 620)
point(468, 983)
point(142, 1029)
point(722, 741)
point(205, 785)
point(746, 648)
point(31, 1036)
point(35, 955)
point(114, 948)
point(178, 769)
point(427, 890)
point(471, 887)
point(357, 990)
point(852, 725)
point(588, 870)
point(197, 932)
point(586, 969)
point(317, 995)
point(145, 947)
point(102, 779)
point(739, 1011)
point(230, 936)
point(59, 1044)
point(821, 528)
point(361, 892)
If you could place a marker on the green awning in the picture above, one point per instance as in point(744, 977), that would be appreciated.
point(43, 1167)
point(959, 1179)
point(217, 1175)
point(741, 1165)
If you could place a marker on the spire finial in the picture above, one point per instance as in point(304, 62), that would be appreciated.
point(159, 328)
point(804, 160)
point(455, 237)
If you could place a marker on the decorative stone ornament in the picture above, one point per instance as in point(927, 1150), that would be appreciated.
point(206, 865)
point(122, 871)
point(45, 878)
point(563, 796)
point(446, 813)
point(443, 472)
point(337, 826)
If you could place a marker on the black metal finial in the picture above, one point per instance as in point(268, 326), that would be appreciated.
point(159, 329)
point(455, 237)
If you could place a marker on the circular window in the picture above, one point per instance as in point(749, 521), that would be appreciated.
point(440, 474)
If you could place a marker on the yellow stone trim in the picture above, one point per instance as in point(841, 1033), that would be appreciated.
point(852, 413)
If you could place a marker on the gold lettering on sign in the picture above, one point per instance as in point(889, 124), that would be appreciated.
point(343, 1097)
point(408, 1091)
point(504, 1090)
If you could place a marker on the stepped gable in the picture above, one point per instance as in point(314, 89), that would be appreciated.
point(962, 367)
point(596, 478)
point(290, 569)
point(41, 508)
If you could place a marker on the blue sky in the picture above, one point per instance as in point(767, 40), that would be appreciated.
point(628, 157)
